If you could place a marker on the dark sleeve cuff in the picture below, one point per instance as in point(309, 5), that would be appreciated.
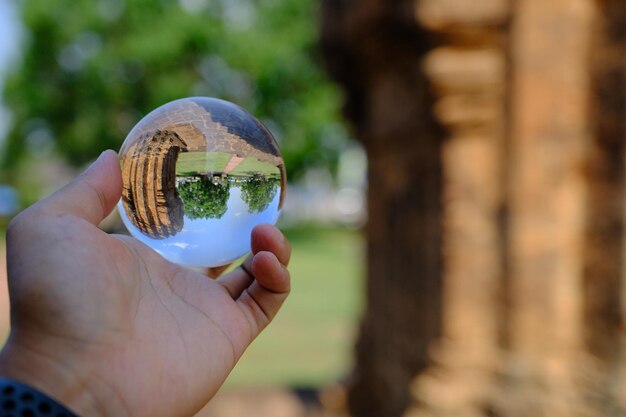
point(20, 400)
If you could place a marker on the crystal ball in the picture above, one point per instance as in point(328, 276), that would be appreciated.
point(198, 175)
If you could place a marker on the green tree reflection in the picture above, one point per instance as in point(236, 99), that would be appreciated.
point(204, 197)
point(258, 191)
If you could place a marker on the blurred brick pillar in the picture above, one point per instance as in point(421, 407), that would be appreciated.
point(605, 271)
point(550, 137)
point(467, 68)
point(374, 49)
point(528, 98)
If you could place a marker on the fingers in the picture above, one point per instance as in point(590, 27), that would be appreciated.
point(262, 283)
point(264, 297)
point(93, 194)
point(271, 278)
point(264, 238)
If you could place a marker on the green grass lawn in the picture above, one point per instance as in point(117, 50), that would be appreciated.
point(311, 340)
point(190, 163)
point(252, 165)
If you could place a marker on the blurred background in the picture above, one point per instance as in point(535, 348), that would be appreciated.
point(456, 184)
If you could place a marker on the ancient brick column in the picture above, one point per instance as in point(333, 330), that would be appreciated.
point(550, 136)
point(467, 68)
point(374, 48)
point(604, 273)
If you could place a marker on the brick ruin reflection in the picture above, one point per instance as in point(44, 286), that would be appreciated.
point(223, 146)
point(149, 194)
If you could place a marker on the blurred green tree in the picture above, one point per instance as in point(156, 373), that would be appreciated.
point(91, 69)
point(258, 191)
point(204, 198)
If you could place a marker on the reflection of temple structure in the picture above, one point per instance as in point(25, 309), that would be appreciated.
point(149, 195)
point(228, 129)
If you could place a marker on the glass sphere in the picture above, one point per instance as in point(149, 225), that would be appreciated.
point(198, 174)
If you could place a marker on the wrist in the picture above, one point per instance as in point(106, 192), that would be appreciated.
point(23, 400)
point(68, 382)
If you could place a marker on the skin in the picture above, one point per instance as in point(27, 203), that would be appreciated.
point(108, 327)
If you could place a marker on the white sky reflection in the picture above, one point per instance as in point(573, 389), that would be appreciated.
point(211, 242)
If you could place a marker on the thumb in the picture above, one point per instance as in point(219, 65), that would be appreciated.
point(93, 194)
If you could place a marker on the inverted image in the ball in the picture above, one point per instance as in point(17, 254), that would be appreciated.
point(198, 174)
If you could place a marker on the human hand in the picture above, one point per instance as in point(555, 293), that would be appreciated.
point(108, 327)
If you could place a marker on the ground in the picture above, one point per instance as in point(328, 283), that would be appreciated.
point(276, 402)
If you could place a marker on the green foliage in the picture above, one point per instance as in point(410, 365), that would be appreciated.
point(204, 198)
point(91, 69)
point(258, 191)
